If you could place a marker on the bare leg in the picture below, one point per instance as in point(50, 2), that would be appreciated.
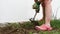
point(48, 11)
point(46, 5)
point(43, 7)
point(47, 15)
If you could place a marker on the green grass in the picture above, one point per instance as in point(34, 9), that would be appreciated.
point(54, 23)
point(28, 27)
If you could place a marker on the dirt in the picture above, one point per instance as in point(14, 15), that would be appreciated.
point(14, 30)
point(7, 30)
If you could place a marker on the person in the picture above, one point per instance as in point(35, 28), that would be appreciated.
point(47, 10)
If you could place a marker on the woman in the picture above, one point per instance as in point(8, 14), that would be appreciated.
point(47, 10)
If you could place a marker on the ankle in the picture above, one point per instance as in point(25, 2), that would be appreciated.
point(47, 24)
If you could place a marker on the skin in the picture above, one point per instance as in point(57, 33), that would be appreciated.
point(47, 10)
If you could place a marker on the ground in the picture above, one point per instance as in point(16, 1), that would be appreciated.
point(28, 28)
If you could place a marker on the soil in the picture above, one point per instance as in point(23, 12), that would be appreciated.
point(13, 30)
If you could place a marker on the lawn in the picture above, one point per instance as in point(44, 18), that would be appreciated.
point(28, 28)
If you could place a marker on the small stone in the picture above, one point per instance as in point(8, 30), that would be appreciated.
point(17, 30)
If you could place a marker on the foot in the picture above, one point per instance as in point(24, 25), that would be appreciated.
point(49, 27)
point(43, 27)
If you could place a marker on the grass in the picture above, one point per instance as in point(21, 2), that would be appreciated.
point(28, 28)
point(54, 23)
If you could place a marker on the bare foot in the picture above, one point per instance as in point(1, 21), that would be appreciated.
point(43, 27)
